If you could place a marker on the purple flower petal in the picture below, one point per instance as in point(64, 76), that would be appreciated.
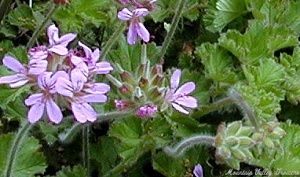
point(44, 80)
point(179, 108)
point(59, 49)
point(132, 34)
point(88, 52)
point(198, 171)
point(125, 14)
point(14, 81)
point(97, 88)
point(143, 32)
point(39, 53)
point(64, 87)
point(76, 60)
point(78, 78)
point(103, 67)
point(140, 12)
point(37, 66)
point(53, 111)
point(66, 39)
point(13, 64)
point(83, 112)
point(52, 33)
point(175, 78)
point(186, 88)
point(36, 111)
point(187, 101)
point(94, 98)
point(33, 99)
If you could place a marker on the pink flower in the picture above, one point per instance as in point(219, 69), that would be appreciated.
point(39, 101)
point(74, 90)
point(136, 28)
point(58, 44)
point(198, 171)
point(16, 80)
point(148, 110)
point(178, 97)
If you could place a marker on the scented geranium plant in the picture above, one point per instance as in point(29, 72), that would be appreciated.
point(149, 88)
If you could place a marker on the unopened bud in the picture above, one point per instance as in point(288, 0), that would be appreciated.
point(146, 111)
point(127, 77)
point(61, 2)
point(143, 83)
point(122, 104)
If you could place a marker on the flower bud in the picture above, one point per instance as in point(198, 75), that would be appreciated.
point(269, 143)
point(143, 83)
point(245, 141)
point(146, 111)
point(127, 77)
point(233, 128)
point(61, 2)
point(238, 154)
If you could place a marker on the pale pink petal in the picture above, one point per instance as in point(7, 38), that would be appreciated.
point(97, 88)
point(39, 53)
point(44, 80)
point(52, 33)
point(185, 88)
point(64, 87)
point(76, 60)
point(83, 112)
point(53, 111)
point(103, 67)
point(140, 12)
point(12, 78)
point(143, 32)
point(36, 112)
point(59, 49)
point(94, 98)
point(132, 34)
point(95, 55)
point(88, 52)
point(175, 79)
point(187, 101)
point(59, 74)
point(125, 14)
point(78, 78)
point(37, 66)
point(66, 39)
point(33, 99)
point(13, 64)
point(19, 83)
point(179, 108)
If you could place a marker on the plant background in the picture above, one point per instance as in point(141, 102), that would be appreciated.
point(251, 45)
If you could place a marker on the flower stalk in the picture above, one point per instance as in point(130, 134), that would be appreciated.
point(86, 149)
point(16, 144)
point(174, 24)
point(41, 27)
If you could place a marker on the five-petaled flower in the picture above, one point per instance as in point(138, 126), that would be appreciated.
point(136, 28)
point(179, 96)
point(39, 101)
point(73, 89)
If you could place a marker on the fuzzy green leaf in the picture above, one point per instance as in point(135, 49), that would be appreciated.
point(29, 160)
point(222, 12)
point(22, 17)
point(258, 41)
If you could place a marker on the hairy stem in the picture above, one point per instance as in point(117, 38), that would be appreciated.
point(39, 29)
point(180, 148)
point(206, 109)
point(112, 41)
point(17, 142)
point(71, 133)
point(174, 24)
point(86, 149)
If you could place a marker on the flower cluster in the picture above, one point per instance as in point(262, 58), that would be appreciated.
point(145, 92)
point(61, 78)
point(133, 14)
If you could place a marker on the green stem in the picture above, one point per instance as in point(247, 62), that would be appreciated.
point(38, 30)
point(174, 24)
point(205, 109)
point(19, 137)
point(180, 148)
point(112, 41)
point(4, 8)
point(86, 149)
point(69, 134)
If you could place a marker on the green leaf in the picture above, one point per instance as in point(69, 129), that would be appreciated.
point(167, 165)
point(23, 17)
point(105, 153)
point(75, 171)
point(217, 62)
point(29, 160)
point(128, 131)
point(258, 41)
point(5, 46)
point(222, 12)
